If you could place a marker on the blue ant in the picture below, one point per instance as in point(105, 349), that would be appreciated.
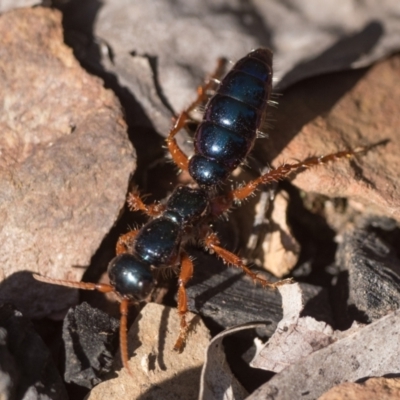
point(222, 141)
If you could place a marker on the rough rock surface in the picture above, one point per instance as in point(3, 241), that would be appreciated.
point(27, 369)
point(341, 111)
point(373, 388)
point(227, 297)
point(90, 337)
point(307, 40)
point(65, 161)
point(157, 370)
point(368, 258)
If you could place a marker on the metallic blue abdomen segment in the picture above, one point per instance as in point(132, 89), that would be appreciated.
point(256, 68)
point(158, 241)
point(237, 107)
point(207, 172)
point(226, 146)
point(246, 88)
point(233, 115)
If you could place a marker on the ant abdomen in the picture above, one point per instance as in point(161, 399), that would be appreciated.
point(231, 119)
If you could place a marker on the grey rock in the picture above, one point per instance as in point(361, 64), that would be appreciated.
point(27, 370)
point(91, 338)
point(368, 255)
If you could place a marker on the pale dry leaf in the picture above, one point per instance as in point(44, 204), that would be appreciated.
point(370, 351)
point(217, 380)
point(295, 337)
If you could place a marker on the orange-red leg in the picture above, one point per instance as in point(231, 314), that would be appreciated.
point(223, 203)
point(185, 275)
point(101, 287)
point(212, 243)
point(104, 288)
point(135, 203)
point(125, 242)
point(123, 334)
point(179, 157)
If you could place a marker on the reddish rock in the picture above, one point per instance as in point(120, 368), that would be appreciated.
point(341, 111)
point(65, 161)
point(373, 388)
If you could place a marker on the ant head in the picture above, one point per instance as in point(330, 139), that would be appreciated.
point(130, 277)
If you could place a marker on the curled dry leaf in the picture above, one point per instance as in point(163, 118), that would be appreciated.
point(373, 350)
point(295, 337)
point(217, 380)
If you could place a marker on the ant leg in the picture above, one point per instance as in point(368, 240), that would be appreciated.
point(123, 334)
point(185, 275)
point(125, 242)
point(104, 288)
point(212, 243)
point(135, 203)
point(101, 287)
point(280, 173)
point(179, 157)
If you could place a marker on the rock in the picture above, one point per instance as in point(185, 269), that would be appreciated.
point(303, 39)
point(157, 370)
point(90, 338)
point(27, 367)
point(336, 112)
point(225, 297)
point(7, 5)
point(368, 256)
point(373, 388)
point(65, 164)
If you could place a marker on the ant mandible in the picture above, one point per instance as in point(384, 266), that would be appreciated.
point(224, 138)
